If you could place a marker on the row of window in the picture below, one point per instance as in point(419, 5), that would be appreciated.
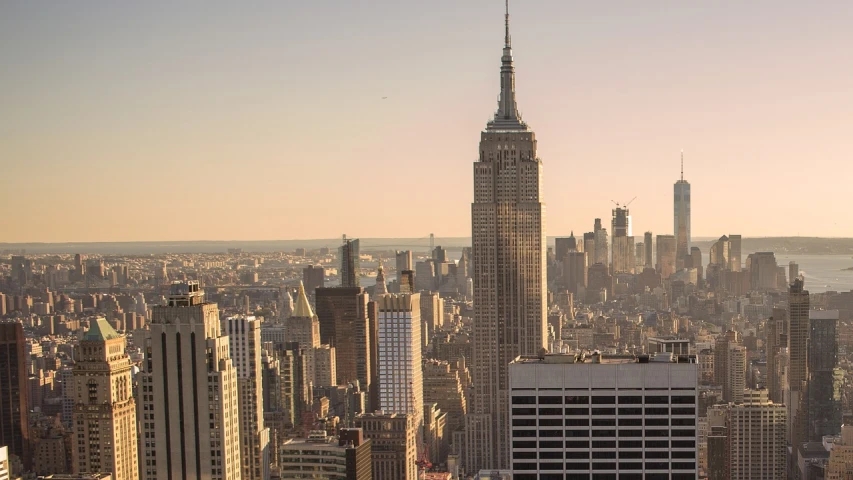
point(518, 444)
point(585, 454)
point(604, 400)
point(602, 433)
point(603, 422)
point(623, 411)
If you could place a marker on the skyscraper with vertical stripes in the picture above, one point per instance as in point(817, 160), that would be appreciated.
point(189, 413)
point(508, 237)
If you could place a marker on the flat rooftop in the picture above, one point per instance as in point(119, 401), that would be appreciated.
point(603, 359)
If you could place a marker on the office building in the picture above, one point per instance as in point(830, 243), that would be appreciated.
point(665, 255)
point(404, 262)
point(190, 401)
point(575, 416)
point(303, 328)
point(763, 271)
point(244, 340)
point(509, 255)
point(432, 313)
point(564, 245)
point(393, 439)
point(344, 325)
point(104, 413)
point(350, 272)
point(826, 380)
point(14, 392)
point(681, 215)
point(321, 456)
point(602, 245)
point(754, 438)
point(400, 370)
point(776, 327)
point(313, 277)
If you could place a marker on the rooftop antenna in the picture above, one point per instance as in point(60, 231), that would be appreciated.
point(682, 161)
point(507, 40)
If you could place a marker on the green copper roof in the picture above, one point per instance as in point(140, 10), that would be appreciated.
point(100, 330)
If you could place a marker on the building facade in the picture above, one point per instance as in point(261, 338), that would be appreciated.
point(104, 413)
point(244, 341)
point(344, 324)
point(393, 440)
point(509, 258)
point(14, 392)
point(576, 417)
point(190, 400)
point(400, 369)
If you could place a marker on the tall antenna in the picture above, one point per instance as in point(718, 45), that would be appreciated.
point(507, 40)
point(682, 161)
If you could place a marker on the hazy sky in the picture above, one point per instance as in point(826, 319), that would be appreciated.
point(233, 120)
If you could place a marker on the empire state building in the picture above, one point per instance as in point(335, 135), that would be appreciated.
point(508, 236)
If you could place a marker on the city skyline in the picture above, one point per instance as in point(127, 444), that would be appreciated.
point(243, 103)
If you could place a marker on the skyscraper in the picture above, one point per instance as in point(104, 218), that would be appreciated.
point(798, 338)
point(244, 340)
point(665, 255)
point(350, 263)
point(825, 379)
point(400, 369)
point(344, 324)
point(755, 438)
point(190, 401)
point(314, 277)
point(404, 262)
point(104, 414)
point(14, 392)
point(647, 243)
point(565, 410)
point(681, 217)
point(509, 256)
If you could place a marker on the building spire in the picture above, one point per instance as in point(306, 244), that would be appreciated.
point(507, 39)
point(507, 117)
point(682, 162)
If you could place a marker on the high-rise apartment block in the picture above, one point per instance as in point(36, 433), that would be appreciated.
point(649, 250)
point(509, 257)
point(615, 416)
point(14, 392)
point(190, 401)
point(349, 255)
point(104, 414)
point(244, 340)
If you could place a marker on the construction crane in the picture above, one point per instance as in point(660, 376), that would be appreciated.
point(423, 462)
point(625, 205)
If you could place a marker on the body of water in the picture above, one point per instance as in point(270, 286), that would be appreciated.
point(822, 272)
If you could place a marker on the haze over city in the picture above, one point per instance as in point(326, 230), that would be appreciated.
point(273, 117)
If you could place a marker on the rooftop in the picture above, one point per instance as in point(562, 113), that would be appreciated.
point(100, 330)
point(604, 359)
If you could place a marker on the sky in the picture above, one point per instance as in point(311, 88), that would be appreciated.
point(135, 121)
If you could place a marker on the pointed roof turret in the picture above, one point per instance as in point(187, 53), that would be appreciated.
point(302, 308)
point(507, 116)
